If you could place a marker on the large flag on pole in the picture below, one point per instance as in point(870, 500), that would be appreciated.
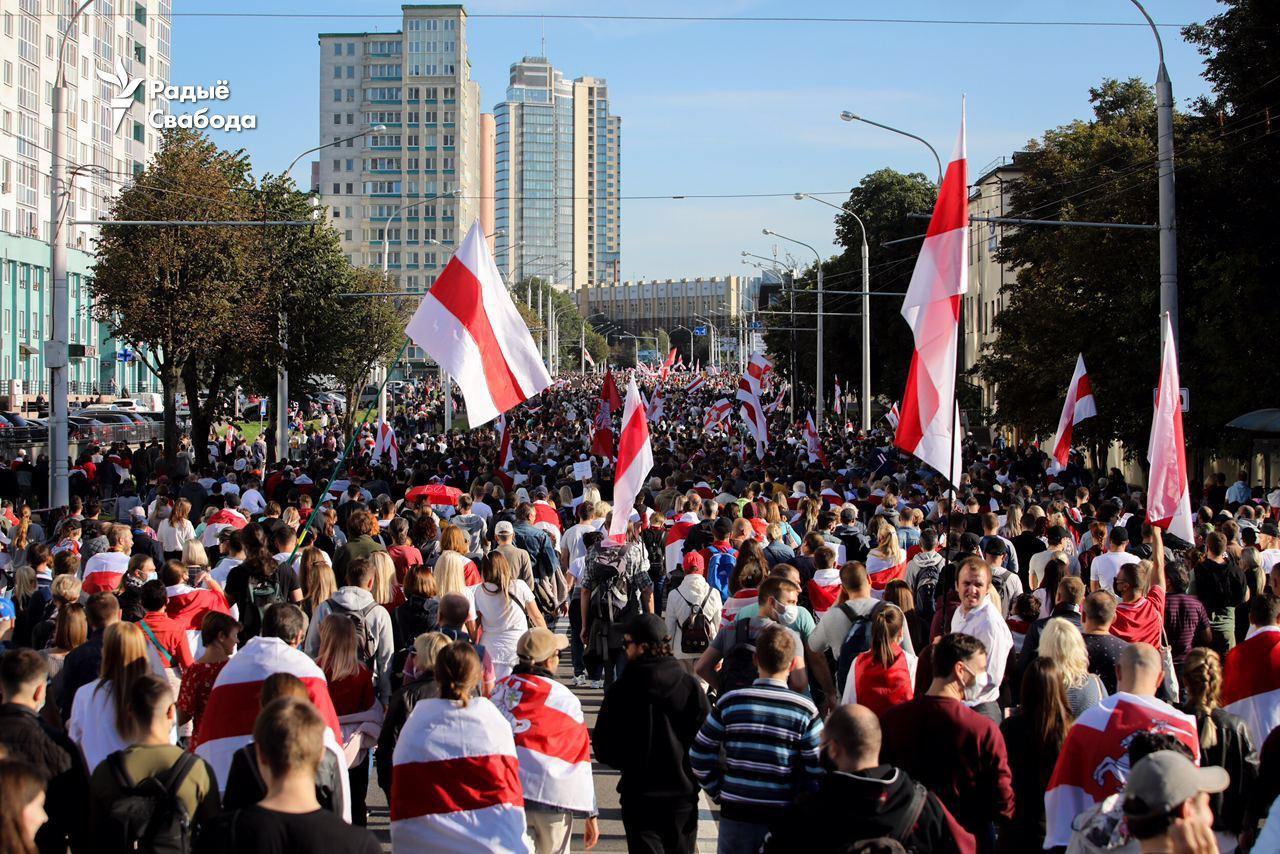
point(929, 417)
point(505, 454)
point(635, 459)
point(469, 325)
point(1077, 407)
point(813, 443)
point(893, 416)
point(1168, 496)
point(385, 443)
point(836, 403)
point(609, 392)
point(716, 414)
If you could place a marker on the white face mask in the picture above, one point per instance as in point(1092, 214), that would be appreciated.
point(981, 682)
point(787, 614)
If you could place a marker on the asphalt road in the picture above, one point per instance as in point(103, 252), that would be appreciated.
point(612, 836)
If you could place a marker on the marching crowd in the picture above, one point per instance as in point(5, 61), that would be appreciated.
point(836, 648)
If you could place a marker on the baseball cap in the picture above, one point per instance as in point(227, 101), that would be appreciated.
point(503, 528)
point(138, 513)
point(540, 492)
point(1056, 487)
point(538, 644)
point(647, 628)
point(1162, 780)
point(969, 542)
point(1270, 529)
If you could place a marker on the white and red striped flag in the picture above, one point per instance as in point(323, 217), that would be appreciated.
point(752, 411)
point(837, 404)
point(232, 710)
point(881, 571)
point(229, 440)
point(717, 413)
point(602, 431)
point(699, 381)
point(469, 325)
point(773, 407)
point(656, 404)
point(1078, 406)
point(673, 546)
point(586, 355)
point(813, 443)
point(609, 392)
point(505, 454)
point(188, 605)
point(103, 572)
point(1094, 761)
point(455, 781)
point(1251, 681)
point(1168, 494)
point(893, 416)
point(635, 459)
point(552, 743)
point(929, 420)
point(386, 443)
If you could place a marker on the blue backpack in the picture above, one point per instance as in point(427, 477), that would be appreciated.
point(719, 568)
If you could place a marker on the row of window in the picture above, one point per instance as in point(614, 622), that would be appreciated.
point(395, 164)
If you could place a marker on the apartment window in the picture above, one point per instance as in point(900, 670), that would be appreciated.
point(337, 166)
point(350, 189)
point(337, 72)
point(351, 164)
point(337, 49)
point(8, 31)
point(351, 119)
point(337, 189)
point(139, 132)
point(351, 48)
point(337, 118)
point(337, 95)
point(346, 235)
point(351, 95)
point(351, 72)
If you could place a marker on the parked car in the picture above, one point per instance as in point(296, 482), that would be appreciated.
point(20, 430)
point(123, 427)
point(83, 429)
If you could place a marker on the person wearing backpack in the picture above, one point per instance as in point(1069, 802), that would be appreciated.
point(152, 796)
point(375, 640)
point(616, 588)
point(729, 663)
point(924, 571)
point(1004, 583)
point(257, 584)
point(719, 556)
point(692, 614)
point(873, 799)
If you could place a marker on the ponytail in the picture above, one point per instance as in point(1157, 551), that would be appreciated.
point(1202, 675)
point(886, 626)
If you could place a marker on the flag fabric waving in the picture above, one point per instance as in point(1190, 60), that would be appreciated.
point(229, 441)
point(717, 413)
point(1094, 761)
point(1251, 681)
point(505, 454)
point(893, 416)
point(552, 744)
point(469, 325)
point(609, 392)
point(698, 382)
point(837, 403)
point(813, 444)
point(386, 444)
point(227, 724)
point(927, 427)
point(1168, 495)
point(455, 781)
point(1077, 407)
point(635, 459)
point(656, 404)
point(602, 431)
point(586, 355)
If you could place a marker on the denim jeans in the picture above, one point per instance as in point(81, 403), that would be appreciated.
point(738, 837)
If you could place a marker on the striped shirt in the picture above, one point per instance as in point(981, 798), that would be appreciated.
point(769, 735)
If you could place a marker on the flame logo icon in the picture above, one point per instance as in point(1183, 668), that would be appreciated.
point(125, 88)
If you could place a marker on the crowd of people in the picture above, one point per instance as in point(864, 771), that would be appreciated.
point(212, 652)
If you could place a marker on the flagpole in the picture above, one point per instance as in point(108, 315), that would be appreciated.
point(337, 467)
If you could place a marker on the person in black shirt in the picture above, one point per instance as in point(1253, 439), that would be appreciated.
point(1103, 647)
point(288, 741)
point(257, 584)
point(1221, 586)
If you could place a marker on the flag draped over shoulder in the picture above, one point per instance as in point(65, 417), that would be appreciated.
point(928, 425)
point(455, 781)
point(1078, 406)
point(1094, 761)
point(469, 325)
point(552, 744)
point(1251, 682)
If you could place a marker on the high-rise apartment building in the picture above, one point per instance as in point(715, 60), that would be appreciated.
point(557, 178)
point(104, 151)
point(403, 196)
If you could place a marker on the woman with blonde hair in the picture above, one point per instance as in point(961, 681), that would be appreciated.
point(316, 578)
point(887, 561)
point(506, 610)
point(1062, 643)
point(451, 578)
point(195, 557)
point(386, 592)
point(1224, 741)
point(454, 539)
point(174, 532)
point(100, 721)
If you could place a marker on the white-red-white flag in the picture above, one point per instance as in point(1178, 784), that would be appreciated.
point(813, 443)
point(881, 571)
point(1078, 406)
point(699, 381)
point(1251, 681)
point(503, 436)
point(229, 441)
point(837, 404)
point(586, 354)
point(386, 443)
point(469, 325)
point(717, 413)
point(928, 424)
point(1168, 494)
point(1094, 761)
point(635, 459)
point(893, 416)
point(552, 743)
point(656, 404)
point(455, 781)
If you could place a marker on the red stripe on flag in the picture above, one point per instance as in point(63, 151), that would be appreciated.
point(233, 709)
point(462, 295)
point(635, 433)
point(952, 209)
point(454, 785)
point(910, 431)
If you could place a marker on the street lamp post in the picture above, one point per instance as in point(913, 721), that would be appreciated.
point(715, 349)
point(865, 408)
point(57, 359)
point(854, 117)
point(1168, 216)
point(817, 416)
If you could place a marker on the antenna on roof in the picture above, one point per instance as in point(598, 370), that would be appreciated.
point(544, 37)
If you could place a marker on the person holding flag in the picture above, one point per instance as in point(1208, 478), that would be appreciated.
point(1077, 407)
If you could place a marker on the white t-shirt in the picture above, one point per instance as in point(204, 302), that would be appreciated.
point(252, 502)
point(1107, 565)
point(504, 619)
point(172, 538)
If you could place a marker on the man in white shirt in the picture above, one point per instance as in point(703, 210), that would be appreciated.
point(1059, 547)
point(1103, 570)
point(1268, 546)
point(978, 617)
point(573, 554)
point(1239, 492)
point(251, 501)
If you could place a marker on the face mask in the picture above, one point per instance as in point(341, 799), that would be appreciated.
point(151, 576)
point(981, 681)
point(787, 614)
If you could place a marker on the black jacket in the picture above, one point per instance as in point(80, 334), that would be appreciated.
point(647, 722)
point(1031, 768)
point(402, 703)
point(145, 544)
point(870, 804)
point(245, 786)
point(26, 737)
point(1234, 751)
point(80, 667)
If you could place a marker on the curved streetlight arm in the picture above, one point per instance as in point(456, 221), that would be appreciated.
point(61, 78)
point(854, 117)
point(386, 226)
point(1154, 29)
point(365, 132)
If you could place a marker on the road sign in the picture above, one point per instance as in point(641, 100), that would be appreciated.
point(699, 330)
point(755, 324)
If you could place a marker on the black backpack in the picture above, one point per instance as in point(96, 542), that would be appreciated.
point(856, 641)
point(365, 641)
point(148, 816)
point(696, 630)
point(611, 600)
point(925, 591)
point(261, 593)
point(738, 670)
point(999, 583)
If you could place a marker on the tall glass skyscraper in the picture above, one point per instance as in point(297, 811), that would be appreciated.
point(556, 178)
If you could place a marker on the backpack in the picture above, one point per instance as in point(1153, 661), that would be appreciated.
point(925, 591)
point(696, 630)
point(611, 601)
point(699, 537)
point(738, 669)
point(719, 568)
point(148, 816)
point(856, 641)
point(261, 594)
point(365, 641)
point(999, 583)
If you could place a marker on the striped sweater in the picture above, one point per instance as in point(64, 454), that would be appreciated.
point(769, 736)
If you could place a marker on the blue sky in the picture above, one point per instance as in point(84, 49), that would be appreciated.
point(728, 107)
